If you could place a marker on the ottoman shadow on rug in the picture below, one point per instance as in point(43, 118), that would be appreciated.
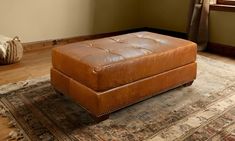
point(203, 111)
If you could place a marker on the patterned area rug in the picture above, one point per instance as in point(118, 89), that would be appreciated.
point(203, 111)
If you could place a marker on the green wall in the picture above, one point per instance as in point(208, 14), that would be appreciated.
point(116, 15)
point(166, 14)
point(222, 27)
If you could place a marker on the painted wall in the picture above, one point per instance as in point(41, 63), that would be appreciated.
point(35, 20)
point(166, 14)
point(115, 15)
point(222, 27)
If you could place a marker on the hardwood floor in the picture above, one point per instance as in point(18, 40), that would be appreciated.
point(38, 63)
point(33, 64)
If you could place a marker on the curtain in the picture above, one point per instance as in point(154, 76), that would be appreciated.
point(199, 18)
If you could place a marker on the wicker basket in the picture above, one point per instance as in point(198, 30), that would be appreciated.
point(11, 50)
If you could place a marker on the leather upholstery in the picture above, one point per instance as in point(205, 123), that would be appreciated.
point(108, 74)
point(107, 63)
point(101, 103)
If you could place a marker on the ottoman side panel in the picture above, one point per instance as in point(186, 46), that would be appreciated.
point(86, 97)
point(123, 96)
point(102, 103)
point(59, 81)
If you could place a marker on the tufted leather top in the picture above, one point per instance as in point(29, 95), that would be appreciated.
point(106, 63)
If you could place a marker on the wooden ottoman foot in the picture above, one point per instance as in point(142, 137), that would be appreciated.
point(101, 118)
point(188, 84)
point(58, 92)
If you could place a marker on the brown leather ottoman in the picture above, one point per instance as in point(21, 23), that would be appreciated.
point(108, 74)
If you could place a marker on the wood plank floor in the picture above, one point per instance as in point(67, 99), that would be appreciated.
point(38, 63)
point(33, 64)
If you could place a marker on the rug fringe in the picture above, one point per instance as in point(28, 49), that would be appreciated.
point(15, 134)
point(3, 111)
point(12, 124)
